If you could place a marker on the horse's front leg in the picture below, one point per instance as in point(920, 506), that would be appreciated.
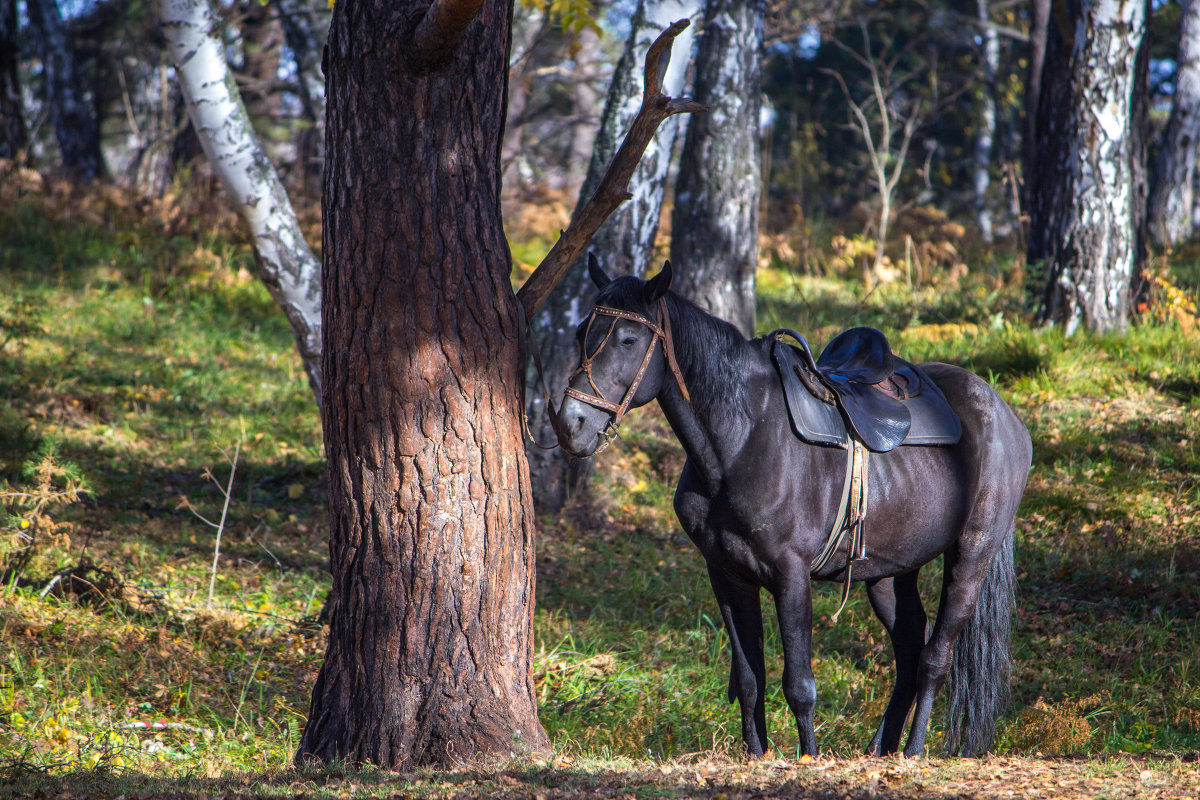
point(748, 675)
point(793, 604)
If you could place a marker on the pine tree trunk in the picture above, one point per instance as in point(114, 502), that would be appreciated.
point(714, 228)
point(75, 126)
point(1082, 226)
point(285, 262)
point(624, 244)
point(431, 520)
point(1171, 193)
point(12, 117)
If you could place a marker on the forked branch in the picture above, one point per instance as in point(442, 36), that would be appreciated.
point(614, 186)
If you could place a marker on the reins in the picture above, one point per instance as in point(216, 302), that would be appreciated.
point(660, 329)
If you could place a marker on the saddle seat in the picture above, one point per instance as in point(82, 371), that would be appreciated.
point(859, 386)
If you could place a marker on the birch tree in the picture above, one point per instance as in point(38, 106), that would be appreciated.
point(625, 243)
point(1172, 194)
point(985, 138)
point(714, 242)
point(285, 262)
point(1084, 176)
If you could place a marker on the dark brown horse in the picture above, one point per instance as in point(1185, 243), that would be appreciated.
point(759, 504)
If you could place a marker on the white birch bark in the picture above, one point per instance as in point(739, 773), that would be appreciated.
point(1082, 216)
point(985, 139)
point(624, 244)
point(285, 262)
point(714, 242)
point(1171, 187)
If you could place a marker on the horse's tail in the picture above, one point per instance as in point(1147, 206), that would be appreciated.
point(979, 674)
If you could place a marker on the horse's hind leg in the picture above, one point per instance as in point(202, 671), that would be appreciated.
point(964, 572)
point(748, 676)
point(897, 603)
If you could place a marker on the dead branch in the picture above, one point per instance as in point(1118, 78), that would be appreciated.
point(614, 186)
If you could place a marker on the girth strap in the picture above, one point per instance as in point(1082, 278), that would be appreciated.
point(851, 517)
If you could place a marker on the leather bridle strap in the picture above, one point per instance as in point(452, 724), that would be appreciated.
point(658, 331)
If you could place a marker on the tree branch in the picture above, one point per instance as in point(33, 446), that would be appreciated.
point(440, 29)
point(614, 186)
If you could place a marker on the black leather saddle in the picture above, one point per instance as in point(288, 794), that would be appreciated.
point(858, 385)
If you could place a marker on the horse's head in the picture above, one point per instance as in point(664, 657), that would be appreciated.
point(624, 351)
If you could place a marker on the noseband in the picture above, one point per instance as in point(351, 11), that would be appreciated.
point(658, 330)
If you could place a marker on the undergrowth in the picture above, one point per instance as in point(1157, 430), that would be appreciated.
point(138, 347)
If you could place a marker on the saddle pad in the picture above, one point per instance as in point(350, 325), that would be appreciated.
point(881, 422)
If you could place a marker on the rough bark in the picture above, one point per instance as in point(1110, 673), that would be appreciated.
point(714, 227)
point(75, 125)
point(285, 262)
point(623, 244)
point(986, 135)
point(1082, 218)
point(13, 136)
point(431, 522)
point(1171, 186)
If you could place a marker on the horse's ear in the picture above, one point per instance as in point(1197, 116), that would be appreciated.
point(596, 272)
point(657, 286)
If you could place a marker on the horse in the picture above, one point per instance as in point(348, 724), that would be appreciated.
point(758, 503)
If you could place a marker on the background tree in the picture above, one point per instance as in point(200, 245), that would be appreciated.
point(625, 242)
point(285, 262)
point(1082, 226)
point(12, 115)
point(714, 241)
point(75, 125)
point(985, 139)
point(1169, 208)
point(886, 117)
point(305, 23)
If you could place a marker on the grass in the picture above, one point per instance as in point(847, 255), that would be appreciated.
point(141, 351)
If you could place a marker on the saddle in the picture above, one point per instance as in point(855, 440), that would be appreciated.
point(859, 386)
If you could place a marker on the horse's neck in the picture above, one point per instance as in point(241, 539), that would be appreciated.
point(712, 356)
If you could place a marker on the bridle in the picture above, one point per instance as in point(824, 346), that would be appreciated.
point(660, 329)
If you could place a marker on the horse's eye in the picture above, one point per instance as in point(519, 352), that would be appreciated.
point(629, 341)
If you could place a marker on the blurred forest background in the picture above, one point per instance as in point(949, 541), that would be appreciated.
point(162, 480)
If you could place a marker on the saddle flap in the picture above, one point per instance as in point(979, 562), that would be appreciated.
point(814, 421)
point(879, 421)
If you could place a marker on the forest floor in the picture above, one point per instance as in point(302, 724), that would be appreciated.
point(140, 358)
point(861, 778)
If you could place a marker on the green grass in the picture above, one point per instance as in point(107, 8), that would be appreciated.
point(140, 355)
